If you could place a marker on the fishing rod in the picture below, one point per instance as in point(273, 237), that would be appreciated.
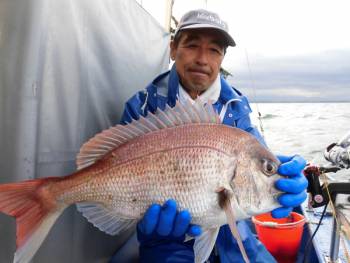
point(338, 154)
point(254, 95)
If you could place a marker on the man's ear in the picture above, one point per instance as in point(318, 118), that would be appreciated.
point(172, 50)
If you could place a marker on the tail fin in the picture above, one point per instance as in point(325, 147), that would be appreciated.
point(35, 210)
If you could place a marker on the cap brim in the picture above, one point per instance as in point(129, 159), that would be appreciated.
point(229, 39)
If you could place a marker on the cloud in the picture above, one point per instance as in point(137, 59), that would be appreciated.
point(324, 76)
point(294, 92)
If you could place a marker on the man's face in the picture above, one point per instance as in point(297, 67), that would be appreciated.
point(198, 57)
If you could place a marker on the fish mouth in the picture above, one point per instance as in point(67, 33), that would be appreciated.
point(275, 195)
point(272, 189)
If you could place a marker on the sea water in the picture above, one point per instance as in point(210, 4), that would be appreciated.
point(304, 128)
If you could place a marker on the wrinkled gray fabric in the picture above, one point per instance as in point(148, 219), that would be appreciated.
point(66, 68)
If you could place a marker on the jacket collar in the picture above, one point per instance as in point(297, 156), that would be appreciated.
point(173, 87)
point(227, 93)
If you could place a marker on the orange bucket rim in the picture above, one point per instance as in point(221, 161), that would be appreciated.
point(271, 224)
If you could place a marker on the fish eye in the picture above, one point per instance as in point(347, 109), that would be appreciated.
point(268, 167)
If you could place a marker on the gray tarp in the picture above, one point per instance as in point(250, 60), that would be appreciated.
point(66, 68)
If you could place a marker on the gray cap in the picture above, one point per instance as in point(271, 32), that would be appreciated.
point(204, 19)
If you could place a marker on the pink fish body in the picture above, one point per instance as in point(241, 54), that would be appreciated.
point(183, 153)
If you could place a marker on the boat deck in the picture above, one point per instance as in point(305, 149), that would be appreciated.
point(322, 239)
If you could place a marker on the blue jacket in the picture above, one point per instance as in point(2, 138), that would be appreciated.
point(164, 90)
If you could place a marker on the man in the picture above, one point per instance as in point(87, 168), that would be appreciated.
point(198, 49)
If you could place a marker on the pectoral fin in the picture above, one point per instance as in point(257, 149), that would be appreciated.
point(204, 244)
point(225, 203)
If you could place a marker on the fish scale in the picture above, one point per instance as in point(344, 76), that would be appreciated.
point(191, 174)
point(216, 172)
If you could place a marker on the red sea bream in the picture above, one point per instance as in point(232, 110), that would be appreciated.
point(219, 173)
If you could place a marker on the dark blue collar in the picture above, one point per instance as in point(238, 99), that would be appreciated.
point(173, 86)
point(227, 93)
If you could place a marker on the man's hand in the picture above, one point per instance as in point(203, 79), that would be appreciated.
point(165, 223)
point(294, 185)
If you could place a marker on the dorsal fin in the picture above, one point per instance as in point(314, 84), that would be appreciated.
point(181, 114)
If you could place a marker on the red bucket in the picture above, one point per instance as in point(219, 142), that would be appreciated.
point(280, 236)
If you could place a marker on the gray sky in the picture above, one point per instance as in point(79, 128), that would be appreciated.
point(321, 76)
point(290, 50)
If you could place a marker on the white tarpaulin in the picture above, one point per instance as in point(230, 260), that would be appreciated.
point(66, 68)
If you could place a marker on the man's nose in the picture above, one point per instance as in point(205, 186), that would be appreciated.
point(202, 57)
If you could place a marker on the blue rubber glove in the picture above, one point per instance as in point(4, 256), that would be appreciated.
point(294, 186)
point(161, 234)
point(165, 221)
